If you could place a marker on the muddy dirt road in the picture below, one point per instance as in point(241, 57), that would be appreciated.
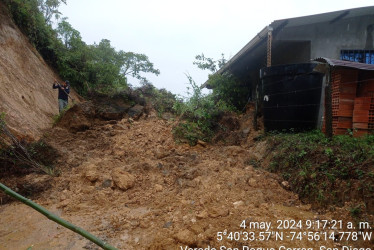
point(131, 185)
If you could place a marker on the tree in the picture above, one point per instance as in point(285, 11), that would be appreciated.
point(134, 64)
point(69, 36)
point(109, 67)
point(206, 63)
point(72, 55)
point(49, 8)
point(104, 66)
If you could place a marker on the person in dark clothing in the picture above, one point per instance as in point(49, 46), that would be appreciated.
point(63, 94)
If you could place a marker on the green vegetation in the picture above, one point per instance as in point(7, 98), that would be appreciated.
point(96, 67)
point(229, 89)
point(206, 63)
point(160, 99)
point(325, 171)
point(225, 86)
point(200, 114)
point(356, 210)
point(148, 95)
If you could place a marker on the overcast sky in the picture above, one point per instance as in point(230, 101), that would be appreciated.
point(171, 32)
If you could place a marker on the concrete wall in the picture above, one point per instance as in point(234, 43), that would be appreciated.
point(328, 39)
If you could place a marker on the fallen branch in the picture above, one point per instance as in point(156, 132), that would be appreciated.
point(7, 139)
point(56, 219)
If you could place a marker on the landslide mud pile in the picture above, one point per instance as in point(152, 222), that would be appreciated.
point(129, 183)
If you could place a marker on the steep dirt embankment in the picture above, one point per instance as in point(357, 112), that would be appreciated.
point(26, 94)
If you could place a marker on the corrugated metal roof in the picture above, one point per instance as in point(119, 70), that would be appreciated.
point(347, 64)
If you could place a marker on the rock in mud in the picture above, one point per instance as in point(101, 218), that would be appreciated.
point(252, 182)
point(122, 179)
point(204, 214)
point(285, 185)
point(167, 116)
point(246, 131)
point(158, 188)
point(136, 111)
point(106, 183)
point(78, 118)
point(161, 152)
point(238, 204)
point(218, 212)
point(91, 174)
point(110, 107)
point(186, 237)
point(168, 224)
point(201, 143)
point(64, 203)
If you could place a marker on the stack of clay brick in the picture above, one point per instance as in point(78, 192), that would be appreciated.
point(344, 86)
point(363, 113)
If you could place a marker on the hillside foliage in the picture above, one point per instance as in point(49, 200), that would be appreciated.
point(98, 67)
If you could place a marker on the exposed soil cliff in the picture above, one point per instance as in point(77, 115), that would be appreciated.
point(26, 94)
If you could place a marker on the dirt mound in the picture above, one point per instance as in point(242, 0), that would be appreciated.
point(26, 94)
point(111, 107)
point(84, 115)
point(80, 117)
point(129, 183)
point(234, 129)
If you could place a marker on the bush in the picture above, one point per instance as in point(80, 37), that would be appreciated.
point(318, 168)
point(200, 114)
point(229, 89)
point(160, 99)
point(164, 101)
point(226, 87)
point(191, 132)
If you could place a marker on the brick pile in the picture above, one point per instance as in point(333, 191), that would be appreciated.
point(344, 85)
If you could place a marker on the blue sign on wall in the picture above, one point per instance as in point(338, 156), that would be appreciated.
point(362, 56)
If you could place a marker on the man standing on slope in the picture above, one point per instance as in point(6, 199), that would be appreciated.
point(63, 94)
